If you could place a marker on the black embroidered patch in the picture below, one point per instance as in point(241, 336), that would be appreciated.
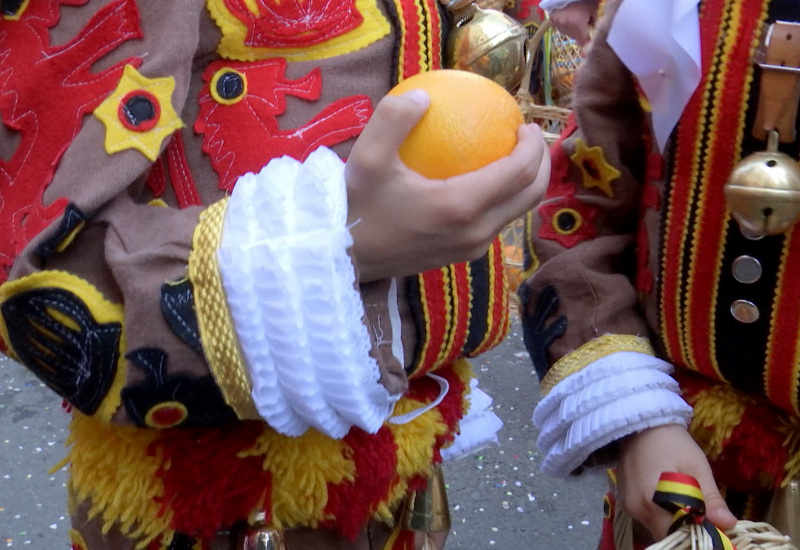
point(199, 398)
point(10, 7)
point(177, 306)
point(70, 220)
point(535, 334)
point(54, 334)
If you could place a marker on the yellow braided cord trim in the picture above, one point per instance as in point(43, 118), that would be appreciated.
point(591, 352)
point(111, 468)
point(216, 325)
point(102, 310)
point(234, 35)
point(717, 411)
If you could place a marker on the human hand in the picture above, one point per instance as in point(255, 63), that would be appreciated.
point(575, 19)
point(645, 456)
point(403, 223)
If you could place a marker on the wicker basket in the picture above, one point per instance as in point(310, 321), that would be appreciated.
point(545, 110)
point(747, 535)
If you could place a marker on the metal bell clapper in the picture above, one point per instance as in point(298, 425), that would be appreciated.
point(257, 536)
point(763, 191)
point(487, 42)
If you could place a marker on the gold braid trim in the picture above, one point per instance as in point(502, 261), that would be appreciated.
point(216, 325)
point(591, 352)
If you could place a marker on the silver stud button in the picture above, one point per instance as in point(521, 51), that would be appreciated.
point(746, 269)
point(744, 311)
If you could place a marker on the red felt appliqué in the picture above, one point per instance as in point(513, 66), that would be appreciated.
point(45, 91)
point(584, 227)
point(243, 136)
point(293, 23)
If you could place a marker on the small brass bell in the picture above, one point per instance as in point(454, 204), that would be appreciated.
point(763, 191)
point(257, 536)
point(487, 42)
point(427, 510)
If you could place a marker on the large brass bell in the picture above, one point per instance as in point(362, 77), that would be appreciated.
point(487, 42)
point(763, 191)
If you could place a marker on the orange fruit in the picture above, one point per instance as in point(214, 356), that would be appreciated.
point(472, 121)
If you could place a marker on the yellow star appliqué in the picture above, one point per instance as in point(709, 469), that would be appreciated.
point(592, 163)
point(146, 134)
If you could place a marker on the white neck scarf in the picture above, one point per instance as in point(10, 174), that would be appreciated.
point(659, 42)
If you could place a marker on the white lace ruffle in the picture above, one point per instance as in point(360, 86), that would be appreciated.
point(550, 5)
point(477, 429)
point(292, 292)
point(617, 395)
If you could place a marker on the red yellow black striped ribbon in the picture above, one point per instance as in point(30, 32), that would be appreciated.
point(680, 495)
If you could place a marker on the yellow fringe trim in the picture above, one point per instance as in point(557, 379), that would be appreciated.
point(110, 468)
point(791, 427)
point(234, 33)
point(102, 310)
point(717, 412)
point(216, 325)
point(301, 468)
point(591, 352)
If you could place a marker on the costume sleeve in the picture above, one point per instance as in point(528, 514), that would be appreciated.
point(136, 304)
point(582, 324)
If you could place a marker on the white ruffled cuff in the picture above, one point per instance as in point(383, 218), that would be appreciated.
point(477, 429)
point(291, 289)
point(615, 396)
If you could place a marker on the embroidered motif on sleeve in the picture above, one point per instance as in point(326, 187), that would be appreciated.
point(44, 95)
point(536, 333)
point(64, 330)
point(296, 30)
point(567, 220)
point(247, 99)
point(139, 114)
point(597, 172)
point(165, 401)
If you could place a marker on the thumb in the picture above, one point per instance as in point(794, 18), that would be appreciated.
point(717, 511)
point(392, 121)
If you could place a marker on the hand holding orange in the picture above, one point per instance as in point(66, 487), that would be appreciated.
point(471, 122)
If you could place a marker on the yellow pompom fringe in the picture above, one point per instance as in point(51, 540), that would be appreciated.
point(110, 467)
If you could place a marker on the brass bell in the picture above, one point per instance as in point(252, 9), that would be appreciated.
point(487, 42)
point(784, 509)
point(427, 510)
point(763, 191)
point(256, 535)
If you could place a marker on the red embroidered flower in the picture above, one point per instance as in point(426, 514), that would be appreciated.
point(567, 221)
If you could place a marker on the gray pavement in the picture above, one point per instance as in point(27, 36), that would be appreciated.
point(498, 498)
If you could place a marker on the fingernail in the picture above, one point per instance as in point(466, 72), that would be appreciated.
point(420, 97)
